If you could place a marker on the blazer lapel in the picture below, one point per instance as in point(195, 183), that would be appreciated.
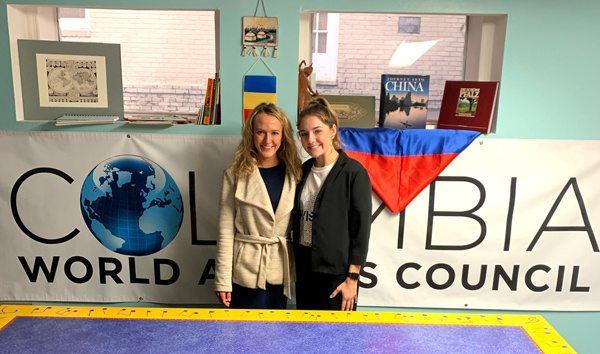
point(335, 170)
point(254, 192)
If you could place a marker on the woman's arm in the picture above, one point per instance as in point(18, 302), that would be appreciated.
point(224, 256)
point(360, 229)
point(359, 218)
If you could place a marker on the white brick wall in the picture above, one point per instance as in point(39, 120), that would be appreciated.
point(166, 56)
point(163, 98)
point(368, 41)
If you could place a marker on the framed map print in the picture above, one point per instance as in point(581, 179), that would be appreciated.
point(72, 78)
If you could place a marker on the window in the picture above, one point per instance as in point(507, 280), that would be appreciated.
point(167, 56)
point(325, 48)
point(411, 25)
point(445, 47)
point(73, 22)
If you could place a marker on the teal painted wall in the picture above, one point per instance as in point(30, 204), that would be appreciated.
point(549, 73)
point(549, 78)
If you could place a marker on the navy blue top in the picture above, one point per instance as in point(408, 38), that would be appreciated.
point(273, 178)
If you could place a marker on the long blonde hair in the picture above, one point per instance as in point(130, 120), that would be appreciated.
point(246, 156)
point(320, 108)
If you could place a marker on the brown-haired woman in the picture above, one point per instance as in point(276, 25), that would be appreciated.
point(254, 263)
point(332, 219)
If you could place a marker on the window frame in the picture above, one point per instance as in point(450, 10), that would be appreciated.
point(325, 64)
point(483, 52)
point(41, 22)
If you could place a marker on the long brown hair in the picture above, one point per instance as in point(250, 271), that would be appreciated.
point(246, 156)
point(320, 108)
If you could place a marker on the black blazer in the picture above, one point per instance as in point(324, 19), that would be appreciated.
point(341, 217)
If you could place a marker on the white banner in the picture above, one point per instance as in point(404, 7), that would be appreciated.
point(48, 251)
point(508, 225)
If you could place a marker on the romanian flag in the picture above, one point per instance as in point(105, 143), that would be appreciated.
point(401, 163)
point(258, 89)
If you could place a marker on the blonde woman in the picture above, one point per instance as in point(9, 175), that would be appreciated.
point(255, 263)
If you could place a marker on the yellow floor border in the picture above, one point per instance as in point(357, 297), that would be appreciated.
point(540, 331)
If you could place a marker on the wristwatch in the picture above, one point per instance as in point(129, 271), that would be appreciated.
point(353, 276)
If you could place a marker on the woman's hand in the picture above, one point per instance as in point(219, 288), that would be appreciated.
point(349, 290)
point(224, 297)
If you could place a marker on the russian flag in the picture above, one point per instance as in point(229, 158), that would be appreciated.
point(401, 163)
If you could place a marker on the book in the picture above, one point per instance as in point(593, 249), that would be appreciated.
point(156, 120)
point(71, 119)
point(217, 119)
point(216, 94)
point(353, 111)
point(468, 105)
point(403, 101)
point(200, 115)
point(208, 101)
point(218, 110)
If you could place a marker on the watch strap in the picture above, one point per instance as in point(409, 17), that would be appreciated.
point(353, 276)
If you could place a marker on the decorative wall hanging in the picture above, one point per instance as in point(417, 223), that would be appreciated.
point(259, 32)
point(258, 89)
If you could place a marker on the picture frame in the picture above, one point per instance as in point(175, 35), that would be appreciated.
point(260, 31)
point(70, 78)
point(353, 111)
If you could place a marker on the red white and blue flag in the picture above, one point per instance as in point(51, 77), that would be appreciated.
point(401, 163)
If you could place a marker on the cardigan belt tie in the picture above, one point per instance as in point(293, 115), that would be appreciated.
point(265, 257)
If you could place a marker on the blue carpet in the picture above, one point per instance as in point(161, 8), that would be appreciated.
point(82, 335)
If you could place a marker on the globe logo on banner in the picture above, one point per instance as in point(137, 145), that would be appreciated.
point(131, 205)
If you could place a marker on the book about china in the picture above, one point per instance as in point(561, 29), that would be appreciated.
point(403, 101)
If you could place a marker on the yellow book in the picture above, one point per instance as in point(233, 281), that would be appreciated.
point(208, 101)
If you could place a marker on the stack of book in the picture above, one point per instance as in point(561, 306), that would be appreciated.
point(168, 120)
point(211, 112)
point(68, 119)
